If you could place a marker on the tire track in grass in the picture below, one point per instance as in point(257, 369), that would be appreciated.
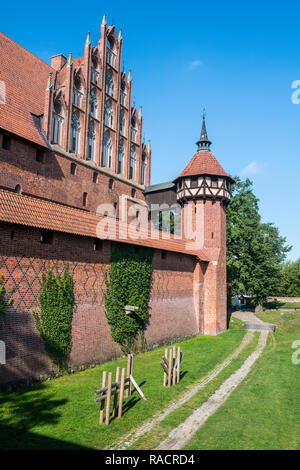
point(183, 433)
point(130, 438)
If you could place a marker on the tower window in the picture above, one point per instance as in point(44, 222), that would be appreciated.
point(214, 182)
point(111, 183)
point(84, 199)
point(46, 237)
point(95, 177)
point(194, 181)
point(73, 169)
point(39, 156)
point(132, 164)
point(98, 244)
point(133, 192)
point(6, 142)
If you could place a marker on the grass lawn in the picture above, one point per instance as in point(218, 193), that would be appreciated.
point(279, 305)
point(61, 413)
point(264, 412)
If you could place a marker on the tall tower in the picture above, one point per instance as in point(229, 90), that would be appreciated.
point(203, 189)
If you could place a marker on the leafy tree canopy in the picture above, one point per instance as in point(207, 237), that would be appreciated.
point(255, 250)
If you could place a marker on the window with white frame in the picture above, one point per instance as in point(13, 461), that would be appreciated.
point(109, 83)
point(110, 57)
point(93, 103)
point(77, 95)
point(123, 94)
point(144, 166)
point(106, 150)
point(132, 164)
point(91, 142)
point(75, 134)
point(57, 122)
point(121, 157)
point(122, 122)
point(108, 114)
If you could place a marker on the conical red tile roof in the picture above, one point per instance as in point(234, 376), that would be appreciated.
point(203, 163)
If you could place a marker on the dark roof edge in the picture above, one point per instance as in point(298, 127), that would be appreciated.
point(159, 187)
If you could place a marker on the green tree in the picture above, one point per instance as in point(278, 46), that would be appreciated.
point(290, 275)
point(255, 250)
point(54, 321)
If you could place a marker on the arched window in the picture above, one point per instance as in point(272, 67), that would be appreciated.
point(122, 122)
point(91, 142)
point(144, 166)
point(57, 122)
point(108, 115)
point(132, 164)
point(77, 94)
point(133, 129)
point(93, 103)
point(106, 150)
point(121, 157)
point(109, 83)
point(75, 133)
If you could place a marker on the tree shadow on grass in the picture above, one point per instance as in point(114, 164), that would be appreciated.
point(26, 409)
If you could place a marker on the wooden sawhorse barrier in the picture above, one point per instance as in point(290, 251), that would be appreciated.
point(109, 393)
point(171, 366)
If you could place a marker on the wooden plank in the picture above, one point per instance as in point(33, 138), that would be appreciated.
point(165, 370)
point(113, 393)
point(170, 367)
point(137, 388)
point(116, 394)
point(165, 359)
point(115, 384)
point(128, 372)
point(108, 398)
point(103, 402)
point(174, 370)
point(165, 373)
point(178, 365)
point(121, 393)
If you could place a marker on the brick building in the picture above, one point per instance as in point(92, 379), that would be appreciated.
point(70, 140)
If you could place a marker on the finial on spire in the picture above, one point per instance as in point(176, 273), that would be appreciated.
point(104, 22)
point(49, 85)
point(70, 60)
point(120, 37)
point(149, 145)
point(203, 143)
point(140, 113)
point(88, 39)
point(129, 76)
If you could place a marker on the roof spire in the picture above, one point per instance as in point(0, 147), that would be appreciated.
point(88, 39)
point(104, 22)
point(70, 60)
point(49, 85)
point(203, 143)
point(120, 37)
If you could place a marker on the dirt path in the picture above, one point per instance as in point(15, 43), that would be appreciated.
point(181, 435)
point(129, 439)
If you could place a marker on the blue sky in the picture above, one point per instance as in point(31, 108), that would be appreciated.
point(237, 59)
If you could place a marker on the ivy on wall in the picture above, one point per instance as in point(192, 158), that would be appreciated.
point(4, 303)
point(128, 283)
point(54, 320)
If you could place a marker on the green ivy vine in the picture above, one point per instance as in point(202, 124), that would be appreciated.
point(54, 320)
point(4, 302)
point(128, 283)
